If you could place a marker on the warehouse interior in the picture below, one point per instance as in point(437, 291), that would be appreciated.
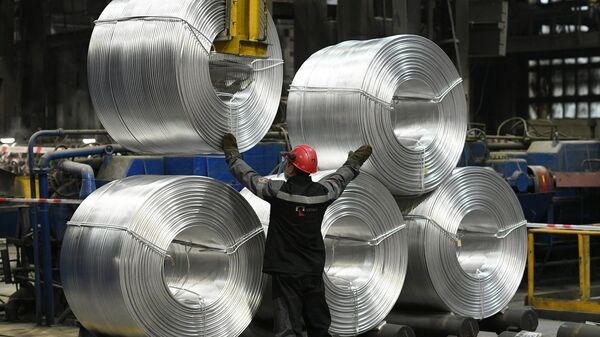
point(477, 214)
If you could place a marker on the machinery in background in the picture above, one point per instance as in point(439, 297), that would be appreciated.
point(557, 181)
point(556, 178)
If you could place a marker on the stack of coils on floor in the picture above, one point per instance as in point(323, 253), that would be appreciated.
point(164, 256)
point(365, 241)
point(157, 86)
point(400, 94)
point(467, 245)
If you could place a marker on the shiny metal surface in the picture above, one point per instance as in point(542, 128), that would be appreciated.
point(164, 256)
point(158, 87)
point(467, 245)
point(365, 242)
point(401, 94)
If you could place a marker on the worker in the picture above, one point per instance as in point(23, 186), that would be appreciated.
point(295, 251)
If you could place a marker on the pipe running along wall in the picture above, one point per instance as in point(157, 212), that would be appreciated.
point(365, 243)
point(400, 94)
point(467, 245)
point(158, 87)
point(164, 256)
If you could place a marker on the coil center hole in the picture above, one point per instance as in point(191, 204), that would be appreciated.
point(480, 249)
point(415, 118)
point(231, 77)
point(349, 259)
point(197, 269)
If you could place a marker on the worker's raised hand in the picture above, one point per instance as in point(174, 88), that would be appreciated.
point(360, 156)
point(230, 146)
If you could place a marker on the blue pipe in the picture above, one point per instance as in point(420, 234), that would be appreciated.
point(83, 152)
point(33, 210)
point(86, 172)
point(34, 221)
point(46, 252)
point(42, 172)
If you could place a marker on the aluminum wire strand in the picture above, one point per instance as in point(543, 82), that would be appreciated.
point(467, 245)
point(366, 257)
point(157, 86)
point(164, 256)
point(401, 94)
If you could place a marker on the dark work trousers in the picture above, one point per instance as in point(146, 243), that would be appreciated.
point(297, 297)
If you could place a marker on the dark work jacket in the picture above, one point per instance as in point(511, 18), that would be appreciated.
point(294, 242)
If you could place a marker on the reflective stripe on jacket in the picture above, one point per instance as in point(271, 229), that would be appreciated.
point(294, 244)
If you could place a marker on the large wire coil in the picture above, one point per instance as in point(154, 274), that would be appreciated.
point(164, 256)
point(158, 87)
point(366, 259)
point(400, 94)
point(467, 245)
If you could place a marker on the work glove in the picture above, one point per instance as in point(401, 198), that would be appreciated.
point(230, 147)
point(357, 158)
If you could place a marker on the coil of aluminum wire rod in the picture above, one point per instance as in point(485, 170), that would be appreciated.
point(467, 245)
point(157, 87)
point(164, 256)
point(365, 243)
point(401, 94)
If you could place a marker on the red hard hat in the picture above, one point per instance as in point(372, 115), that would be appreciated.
point(304, 158)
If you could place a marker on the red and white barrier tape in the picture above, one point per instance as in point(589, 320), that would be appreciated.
point(40, 201)
point(584, 227)
point(24, 149)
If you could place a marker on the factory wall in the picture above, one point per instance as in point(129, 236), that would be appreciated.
point(7, 76)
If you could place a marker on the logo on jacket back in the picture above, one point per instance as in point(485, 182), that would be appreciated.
point(300, 211)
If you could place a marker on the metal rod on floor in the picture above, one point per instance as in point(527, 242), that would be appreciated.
point(511, 319)
point(436, 325)
point(578, 330)
point(391, 330)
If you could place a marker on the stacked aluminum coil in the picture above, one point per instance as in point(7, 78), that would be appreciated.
point(157, 86)
point(366, 259)
point(467, 245)
point(164, 256)
point(400, 94)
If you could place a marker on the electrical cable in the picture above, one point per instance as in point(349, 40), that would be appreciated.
point(164, 256)
point(467, 245)
point(366, 257)
point(400, 94)
point(158, 87)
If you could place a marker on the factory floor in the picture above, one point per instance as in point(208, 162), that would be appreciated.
point(547, 327)
point(23, 330)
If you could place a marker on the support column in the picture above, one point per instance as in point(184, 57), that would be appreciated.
point(35, 25)
point(407, 17)
point(7, 66)
point(312, 31)
point(462, 34)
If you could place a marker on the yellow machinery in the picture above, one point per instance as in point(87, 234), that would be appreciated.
point(585, 303)
point(246, 30)
point(22, 187)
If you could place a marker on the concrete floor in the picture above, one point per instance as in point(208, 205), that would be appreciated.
point(23, 330)
point(547, 328)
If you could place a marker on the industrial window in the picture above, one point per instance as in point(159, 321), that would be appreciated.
point(564, 88)
point(567, 16)
point(383, 8)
